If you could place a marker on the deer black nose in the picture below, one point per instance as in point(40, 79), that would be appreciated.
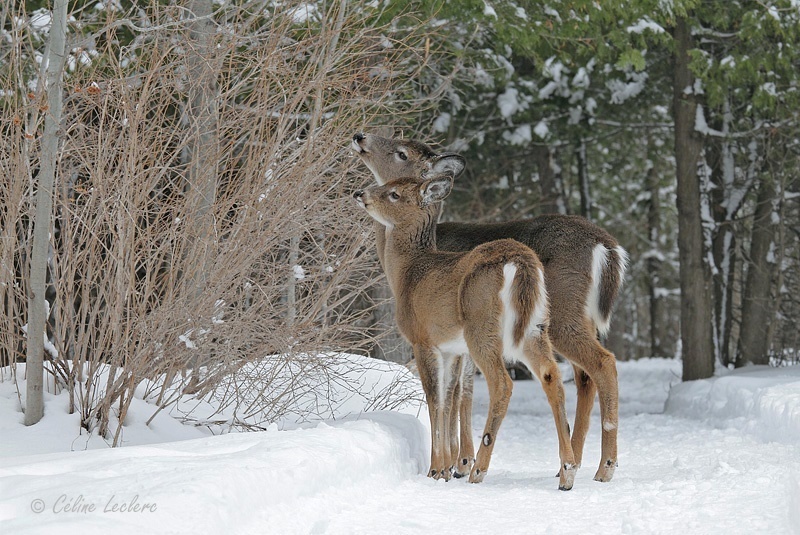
point(359, 136)
point(358, 194)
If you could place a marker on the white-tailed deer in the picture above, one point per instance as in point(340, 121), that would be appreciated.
point(584, 267)
point(490, 301)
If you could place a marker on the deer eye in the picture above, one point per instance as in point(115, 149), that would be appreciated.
point(402, 155)
point(394, 196)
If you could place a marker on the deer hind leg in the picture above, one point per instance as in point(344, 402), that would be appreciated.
point(581, 347)
point(466, 456)
point(604, 374)
point(587, 391)
point(428, 366)
point(487, 353)
point(539, 355)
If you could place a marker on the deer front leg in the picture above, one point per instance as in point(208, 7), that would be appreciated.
point(428, 367)
point(453, 393)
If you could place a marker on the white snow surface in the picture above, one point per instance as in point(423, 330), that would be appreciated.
point(724, 458)
point(762, 401)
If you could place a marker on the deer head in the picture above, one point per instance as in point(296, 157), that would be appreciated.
point(405, 199)
point(390, 159)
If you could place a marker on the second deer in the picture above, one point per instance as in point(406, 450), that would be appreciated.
point(490, 302)
point(584, 267)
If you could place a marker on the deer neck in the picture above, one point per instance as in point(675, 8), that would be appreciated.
point(380, 243)
point(406, 243)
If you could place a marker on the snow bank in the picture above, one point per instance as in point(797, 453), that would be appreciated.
point(760, 400)
point(273, 482)
point(60, 431)
point(280, 391)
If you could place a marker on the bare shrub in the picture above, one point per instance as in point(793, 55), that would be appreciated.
point(196, 231)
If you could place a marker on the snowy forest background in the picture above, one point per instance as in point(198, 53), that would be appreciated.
point(201, 176)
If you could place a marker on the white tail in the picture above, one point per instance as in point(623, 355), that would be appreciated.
point(600, 266)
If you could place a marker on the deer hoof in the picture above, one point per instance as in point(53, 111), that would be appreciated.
point(576, 465)
point(606, 471)
point(441, 473)
point(567, 476)
point(463, 467)
point(477, 475)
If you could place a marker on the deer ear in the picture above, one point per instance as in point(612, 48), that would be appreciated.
point(436, 189)
point(449, 162)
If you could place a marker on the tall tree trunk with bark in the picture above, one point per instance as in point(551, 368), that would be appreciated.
point(696, 331)
point(723, 245)
point(758, 308)
point(202, 157)
point(658, 336)
point(202, 152)
point(37, 310)
point(725, 199)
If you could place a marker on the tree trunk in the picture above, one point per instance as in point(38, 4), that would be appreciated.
point(552, 199)
point(696, 337)
point(202, 152)
point(34, 400)
point(202, 156)
point(658, 337)
point(583, 179)
point(725, 200)
point(724, 245)
point(758, 309)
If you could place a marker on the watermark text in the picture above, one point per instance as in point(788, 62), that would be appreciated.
point(80, 504)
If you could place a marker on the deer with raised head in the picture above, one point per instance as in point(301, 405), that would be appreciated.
point(584, 267)
point(490, 301)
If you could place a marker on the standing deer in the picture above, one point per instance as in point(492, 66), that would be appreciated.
point(490, 301)
point(584, 267)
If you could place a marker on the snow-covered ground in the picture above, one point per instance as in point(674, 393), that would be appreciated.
point(301, 388)
point(724, 458)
